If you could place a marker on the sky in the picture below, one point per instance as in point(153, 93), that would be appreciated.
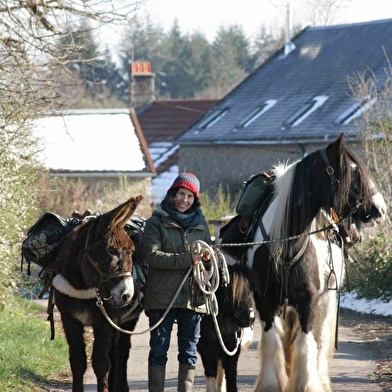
point(208, 16)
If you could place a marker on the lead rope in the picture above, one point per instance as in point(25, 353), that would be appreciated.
point(208, 281)
point(99, 303)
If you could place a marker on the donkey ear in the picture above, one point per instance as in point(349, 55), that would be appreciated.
point(337, 146)
point(121, 214)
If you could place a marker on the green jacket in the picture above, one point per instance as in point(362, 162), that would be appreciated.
point(166, 248)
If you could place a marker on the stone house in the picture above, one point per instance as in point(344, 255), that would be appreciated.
point(298, 101)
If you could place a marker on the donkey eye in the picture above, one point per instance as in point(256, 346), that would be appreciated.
point(113, 251)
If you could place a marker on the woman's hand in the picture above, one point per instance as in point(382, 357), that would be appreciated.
point(206, 256)
point(196, 258)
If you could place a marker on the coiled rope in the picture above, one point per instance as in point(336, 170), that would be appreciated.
point(210, 284)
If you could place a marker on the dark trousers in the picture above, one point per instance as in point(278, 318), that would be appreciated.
point(187, 336)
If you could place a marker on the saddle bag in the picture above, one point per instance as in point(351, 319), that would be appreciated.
point(235, 231)
point(44, 238)
point(253, 192)
point(135, 230)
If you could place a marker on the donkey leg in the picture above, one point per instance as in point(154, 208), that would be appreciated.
point(119, 354)
point(100, 356)
point(73, 330)
point(324, 333)
point(272, 376)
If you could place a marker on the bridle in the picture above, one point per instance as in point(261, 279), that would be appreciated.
point(359, 199)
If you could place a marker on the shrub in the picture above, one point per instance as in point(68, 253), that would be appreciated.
point(371, 275)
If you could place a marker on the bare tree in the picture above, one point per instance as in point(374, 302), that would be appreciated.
point(373, 96)
point(37, 41)
point(37, 44)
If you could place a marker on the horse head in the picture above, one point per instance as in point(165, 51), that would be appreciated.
point(235, 299)
point(106, 259)
point(355, 198)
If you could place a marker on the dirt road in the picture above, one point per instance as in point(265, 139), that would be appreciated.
point(353, 367)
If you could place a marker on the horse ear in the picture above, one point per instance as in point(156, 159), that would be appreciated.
point(337, 146)
point(121, 214)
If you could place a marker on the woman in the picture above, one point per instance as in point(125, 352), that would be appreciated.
point(168, 236)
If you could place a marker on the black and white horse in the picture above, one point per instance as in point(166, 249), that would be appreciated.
point(235, 319)
point(301, 269)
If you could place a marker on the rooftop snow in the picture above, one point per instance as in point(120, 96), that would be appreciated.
point(90, 142)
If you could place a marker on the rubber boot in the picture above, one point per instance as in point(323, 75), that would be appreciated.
point(186, 377)
point(156, 378)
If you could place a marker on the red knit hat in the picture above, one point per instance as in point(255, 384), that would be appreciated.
point(188, 181)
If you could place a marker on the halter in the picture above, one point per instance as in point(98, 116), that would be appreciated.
point(103, 277)
point(359, 199)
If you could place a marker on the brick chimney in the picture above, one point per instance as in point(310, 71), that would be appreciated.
point(142, 84)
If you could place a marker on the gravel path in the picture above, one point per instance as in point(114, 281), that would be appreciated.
point(355, 364)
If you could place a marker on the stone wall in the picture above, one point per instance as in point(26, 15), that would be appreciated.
point(230, 165)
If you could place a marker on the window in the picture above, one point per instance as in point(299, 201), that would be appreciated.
point(256, 113)
point(305, 111)
point(212, 118)
point(355, 110)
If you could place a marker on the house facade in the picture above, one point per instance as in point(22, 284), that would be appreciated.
point(298, 101)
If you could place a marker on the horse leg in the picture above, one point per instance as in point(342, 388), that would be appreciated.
point(272, 376)
point(73, 330)
point(304, 375)
point(220, 382)
point(210, 364)
point(291, 330)
point(230, 366)
point(324, 333)
point(100, 356)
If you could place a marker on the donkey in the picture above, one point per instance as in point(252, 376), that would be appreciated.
point(94, 266)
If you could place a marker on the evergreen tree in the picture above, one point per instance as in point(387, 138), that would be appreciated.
point(175, 70)
point(267, 42)
point(231, 60)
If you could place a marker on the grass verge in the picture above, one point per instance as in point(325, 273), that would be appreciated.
point(28, 358)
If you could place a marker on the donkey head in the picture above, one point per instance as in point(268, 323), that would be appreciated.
point(107, 255)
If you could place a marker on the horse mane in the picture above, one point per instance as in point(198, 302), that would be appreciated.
point(296, 210)
point(282, 187)
point(347, 157)
point(242, 282)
